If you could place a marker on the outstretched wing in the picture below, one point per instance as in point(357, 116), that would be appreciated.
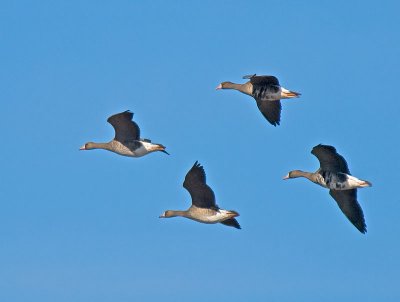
point(271, 110)
point(201, 193)
point(231, 222)
point(125, 128)
point(263, 86)
point(347, 202)
point(329, 159)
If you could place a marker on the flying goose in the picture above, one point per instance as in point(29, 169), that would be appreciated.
point(267, 92)
point(334, 174)
point(127, 139)
point(204, 208)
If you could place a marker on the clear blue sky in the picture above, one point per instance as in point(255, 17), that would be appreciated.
point(83, 226)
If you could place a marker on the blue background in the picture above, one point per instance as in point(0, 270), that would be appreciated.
point(83, 226)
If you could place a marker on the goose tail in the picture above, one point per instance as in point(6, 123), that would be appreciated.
point(288, 94)
point(365, 184)
point(162, 149)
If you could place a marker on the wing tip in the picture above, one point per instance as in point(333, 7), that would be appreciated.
point(128, 113)
point(197, 165)
point(323, 147)
point(274, 123)
point(123, 113)
point(362, 228)
point(232, 223)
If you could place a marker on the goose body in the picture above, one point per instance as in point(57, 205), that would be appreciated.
point(331, 180)
point(334, 174)
point(136, 148)
point(267, 92)
point(204, 215)
point(203, 208)
point(127, 141)
point(340, 181)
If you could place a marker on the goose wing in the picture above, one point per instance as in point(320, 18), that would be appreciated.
point(125, 128)
point(347, 202)
point(271, 110)
point(201, 193)
point(329, 159)
point(231, 222)
point(262, 80)
point(262, 87)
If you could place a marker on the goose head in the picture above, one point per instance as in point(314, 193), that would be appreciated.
point(224, 85)
point(293, 174)
point(87, 146)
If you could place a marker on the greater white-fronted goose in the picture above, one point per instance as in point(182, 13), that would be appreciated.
point(204, 208)
point(127, 139)
point(334, 174)
point(267, 92)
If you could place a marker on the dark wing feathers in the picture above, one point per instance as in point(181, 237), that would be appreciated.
point(329, 159)
point(263, 80)
point(347, 202)
point(263, 86)
point(231, 222)
point(271, 110)
point(125, 128)
point(195, 175)
point(201, 193)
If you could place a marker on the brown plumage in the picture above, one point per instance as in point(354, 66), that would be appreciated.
point(203, 209)
point(267, 92)
point(335, 175)
point(127, 141)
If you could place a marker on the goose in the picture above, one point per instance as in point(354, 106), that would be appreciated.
point(334, 174)
point(267, 92)
point(204, 208)
point(127, 141)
